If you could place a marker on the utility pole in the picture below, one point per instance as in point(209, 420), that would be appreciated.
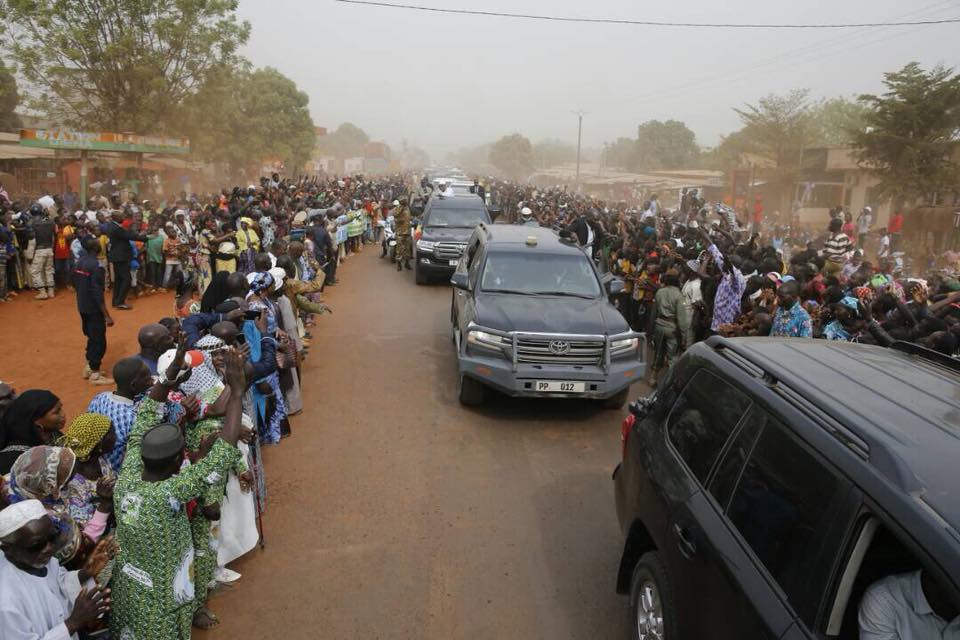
point(579, 115)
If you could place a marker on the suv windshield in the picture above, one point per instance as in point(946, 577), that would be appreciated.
point(463, 217)
point(540, 274)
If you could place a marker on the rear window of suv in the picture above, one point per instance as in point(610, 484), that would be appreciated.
point(705, 414)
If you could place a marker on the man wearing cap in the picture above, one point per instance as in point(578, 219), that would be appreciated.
point(153, 579)
point(39, 599)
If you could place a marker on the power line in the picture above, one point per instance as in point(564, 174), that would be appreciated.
point(817, 50)
point(648, 23)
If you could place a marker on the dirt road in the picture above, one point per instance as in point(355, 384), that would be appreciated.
point(393, 512)
point(396, 513)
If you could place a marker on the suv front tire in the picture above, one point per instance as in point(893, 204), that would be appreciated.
point(418, 275)
point(651, 600)
point(470, 391)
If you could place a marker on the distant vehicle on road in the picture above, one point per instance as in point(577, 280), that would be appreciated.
point(446, 224)
point(770, 482)
point(531, 317)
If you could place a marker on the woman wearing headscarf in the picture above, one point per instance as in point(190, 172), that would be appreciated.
point(90, 489)
point(248, 245)
point(209, 243)
point(289, 345)
point(268, 399)
point(187, 298)
point(216, 292)
point(34, 418)
point(41, 473)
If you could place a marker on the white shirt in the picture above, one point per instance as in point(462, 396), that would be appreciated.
point(884, 250)
point(34, 608)
point(691, 292)
point(895, 608)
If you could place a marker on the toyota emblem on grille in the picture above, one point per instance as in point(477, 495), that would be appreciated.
point(559, 347)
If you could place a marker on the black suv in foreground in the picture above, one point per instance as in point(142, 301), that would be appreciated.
point(531, 317)
point(769, 482)
point(446, 224)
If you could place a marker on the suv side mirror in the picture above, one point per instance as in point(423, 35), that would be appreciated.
point(615, 286)
point(460, 280)
point(494, 212)
point(416, 209)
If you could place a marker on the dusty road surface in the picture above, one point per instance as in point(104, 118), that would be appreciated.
point(393, 512)
point(396, 513)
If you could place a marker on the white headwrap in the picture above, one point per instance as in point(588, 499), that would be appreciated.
point(166, 359)
point(19, 515)
point(203, 378)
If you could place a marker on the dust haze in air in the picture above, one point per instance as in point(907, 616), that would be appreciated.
point(444, 82)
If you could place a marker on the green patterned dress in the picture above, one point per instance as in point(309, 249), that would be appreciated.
point(201, 529)
point(153, 579)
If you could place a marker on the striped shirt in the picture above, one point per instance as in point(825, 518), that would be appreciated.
point(837, 247)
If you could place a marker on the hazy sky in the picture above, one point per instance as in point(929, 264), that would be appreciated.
point(446, 81)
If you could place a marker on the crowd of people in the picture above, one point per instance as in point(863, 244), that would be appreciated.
point(701, 269)
point(122, 519)
point(125, 517)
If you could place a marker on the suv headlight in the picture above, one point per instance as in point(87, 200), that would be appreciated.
point(425, 245)
point(625, 347)
point(484, 339)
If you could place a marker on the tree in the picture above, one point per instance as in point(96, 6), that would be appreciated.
point(413, 157)
point(242, 117)
point(472, 159)
point(664, 145)
point(837, 120)
point(778, 125)
point(9, 99)
point(124, 65)
point(911, 132)
point(348, 141)
point(513, 155)
point(551, 153)
point(778, 128)
point(622, 153)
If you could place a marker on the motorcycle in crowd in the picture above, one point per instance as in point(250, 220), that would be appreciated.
point(388, 244)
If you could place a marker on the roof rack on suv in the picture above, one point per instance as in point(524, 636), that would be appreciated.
point(936, 357)
point(883, 458)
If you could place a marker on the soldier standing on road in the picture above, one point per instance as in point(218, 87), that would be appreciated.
point(41, 265)
point(401, 224)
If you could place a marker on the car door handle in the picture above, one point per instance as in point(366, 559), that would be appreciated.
point(685, 543)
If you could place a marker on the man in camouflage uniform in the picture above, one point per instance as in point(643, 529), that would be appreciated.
point(401, 225)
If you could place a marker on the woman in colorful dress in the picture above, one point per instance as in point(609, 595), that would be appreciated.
point(248, 245)
point(90, 489)
point(267, 394)
point(42, 473)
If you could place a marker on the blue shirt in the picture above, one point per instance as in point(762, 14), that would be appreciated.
point(792, 323)
point(121, 412)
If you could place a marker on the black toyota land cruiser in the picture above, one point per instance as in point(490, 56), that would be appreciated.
point(770, 482)
point(531, 317)
point(446, 224)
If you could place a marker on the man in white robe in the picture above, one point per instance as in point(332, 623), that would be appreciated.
point(39, 599)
